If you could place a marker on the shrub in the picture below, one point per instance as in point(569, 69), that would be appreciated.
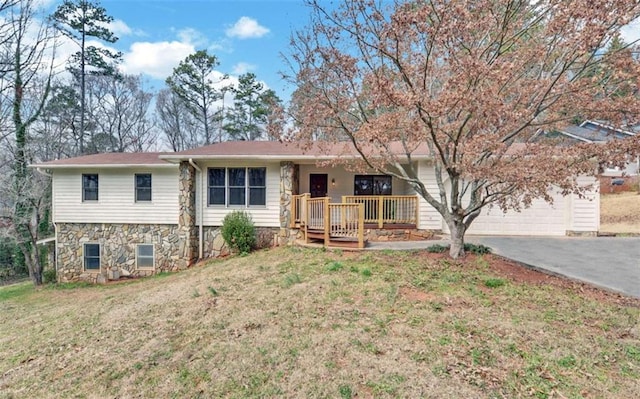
point(49, 276)
point(437, 248)
point(239, 232)
point(477, 249)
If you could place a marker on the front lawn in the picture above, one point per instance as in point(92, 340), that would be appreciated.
point(307, 323)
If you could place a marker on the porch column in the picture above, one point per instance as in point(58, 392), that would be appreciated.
point(187, 230)
point(288, 187)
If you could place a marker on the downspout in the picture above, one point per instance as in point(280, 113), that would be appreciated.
point(200, 228)
point(53, 213)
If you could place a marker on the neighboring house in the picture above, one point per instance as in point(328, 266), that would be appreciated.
point(600, 132)
point(136, 214)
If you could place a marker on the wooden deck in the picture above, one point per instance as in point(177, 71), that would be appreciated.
point(343, 224)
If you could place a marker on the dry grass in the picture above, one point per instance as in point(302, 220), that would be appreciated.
point(307, 323)
point(620, 213)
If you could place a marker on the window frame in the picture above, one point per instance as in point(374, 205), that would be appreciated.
point(136, 188)
point(247, 187)
point(153, 256)
point(372, 181)
point(85, 187)
point(85, 257)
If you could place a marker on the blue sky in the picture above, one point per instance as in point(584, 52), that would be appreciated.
point(245, 35)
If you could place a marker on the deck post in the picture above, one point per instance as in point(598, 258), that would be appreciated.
point(380, 212)
point(360, 225)
point(327, 222)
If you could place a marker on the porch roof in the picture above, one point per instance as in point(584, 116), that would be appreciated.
point(286, 151)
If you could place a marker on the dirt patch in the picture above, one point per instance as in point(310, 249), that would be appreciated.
point(620, 213)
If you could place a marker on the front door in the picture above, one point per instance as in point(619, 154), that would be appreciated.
point(318, 185)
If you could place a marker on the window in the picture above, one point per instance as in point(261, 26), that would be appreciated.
point(237, 186)
point(144, 256)
point(237, 181)
point(143, 187)
point(257, 186)
point(372, 185)
point(92, 256)
point(217, 177)
point(89, 187)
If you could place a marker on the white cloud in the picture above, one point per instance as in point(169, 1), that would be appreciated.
point(155, 59)
point(247, 28)
point(193, 36)
point(119, 28)
point(242, 67)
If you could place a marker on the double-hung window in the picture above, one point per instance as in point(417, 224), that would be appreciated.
point(89, 187)
point(143, 187)
point(237, 186)
point(91, 256)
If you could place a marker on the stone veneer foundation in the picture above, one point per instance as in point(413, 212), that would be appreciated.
point(117, 249)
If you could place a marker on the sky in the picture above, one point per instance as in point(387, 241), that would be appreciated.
point(245, 36)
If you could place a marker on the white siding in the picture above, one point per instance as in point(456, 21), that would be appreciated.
point(585, 212)
point(116, 197)
point(429, 218)
point(263, 216)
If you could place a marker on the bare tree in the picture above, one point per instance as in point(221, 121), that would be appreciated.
point(32, 48)
point(175, 121)
point(120, 113)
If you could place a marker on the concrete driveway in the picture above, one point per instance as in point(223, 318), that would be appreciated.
point(609, 262)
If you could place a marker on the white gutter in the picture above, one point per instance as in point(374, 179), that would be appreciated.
point(200, 228)
point(103, 166)
point(178, 158)
point(42, 172)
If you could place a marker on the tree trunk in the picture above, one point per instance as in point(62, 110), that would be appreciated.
point(457, 230)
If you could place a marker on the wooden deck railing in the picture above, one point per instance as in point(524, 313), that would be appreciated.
point(299, 209)
point(386, 209)
point(316, 211)
point(345, 222)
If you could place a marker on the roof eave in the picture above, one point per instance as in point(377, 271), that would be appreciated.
point(102, 166)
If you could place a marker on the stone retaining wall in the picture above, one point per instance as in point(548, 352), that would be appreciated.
point(398, 234)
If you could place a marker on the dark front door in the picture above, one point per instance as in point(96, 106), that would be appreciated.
point(318, 185)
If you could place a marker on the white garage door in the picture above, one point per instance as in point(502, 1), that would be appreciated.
point(540, 219)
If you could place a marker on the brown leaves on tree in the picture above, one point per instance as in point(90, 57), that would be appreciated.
point(477, 82)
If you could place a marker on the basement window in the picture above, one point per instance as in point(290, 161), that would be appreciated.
point(144, 256)
point(91, 256)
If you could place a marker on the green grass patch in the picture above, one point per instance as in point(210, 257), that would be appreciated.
point(16, 291)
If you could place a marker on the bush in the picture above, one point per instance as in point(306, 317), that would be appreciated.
point(477, 249)
point(49, 276)
point(239, 232)
point(437, 248)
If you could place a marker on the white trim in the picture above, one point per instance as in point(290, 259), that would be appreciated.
point(84, 265)
point(153, 257)
point(46, 240)
point(103, 166)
